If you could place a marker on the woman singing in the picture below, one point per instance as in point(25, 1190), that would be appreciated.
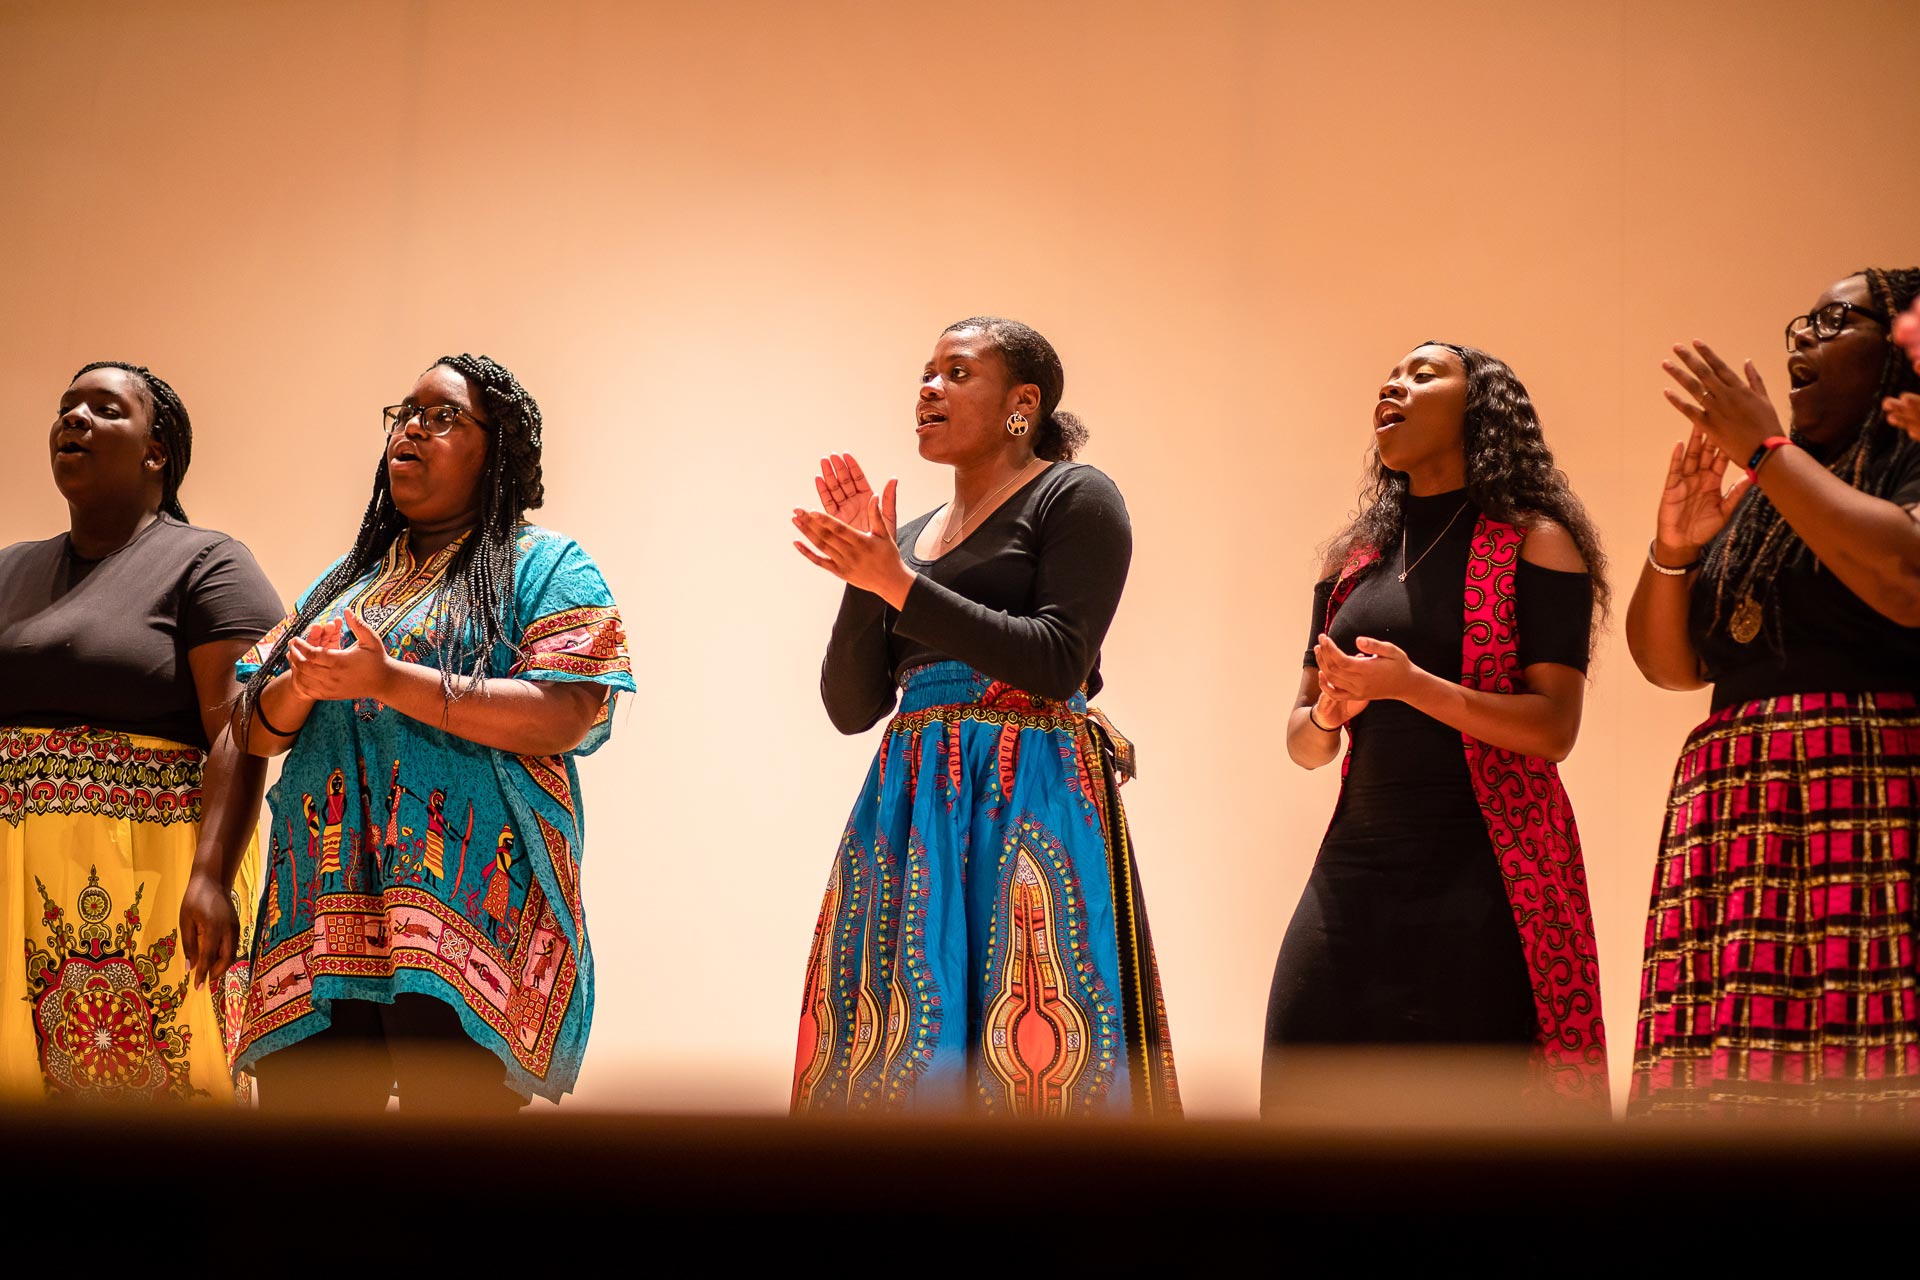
point(126, 813)
point(422, 927)
point(1780, 968)
point(983, 944)
point(1450, 639)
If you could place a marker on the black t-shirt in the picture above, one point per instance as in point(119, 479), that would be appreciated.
point(1027, 598)
point(105, 642)
point(1832, 641)
point(1426, 616)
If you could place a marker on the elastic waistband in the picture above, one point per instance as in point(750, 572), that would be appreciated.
point(99, 744)
point(1826, 706)
point(955, 684)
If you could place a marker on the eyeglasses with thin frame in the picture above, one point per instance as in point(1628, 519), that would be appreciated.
point(435, 419)
point(1828, 321)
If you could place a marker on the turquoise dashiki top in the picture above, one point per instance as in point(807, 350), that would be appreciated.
point(404, 859)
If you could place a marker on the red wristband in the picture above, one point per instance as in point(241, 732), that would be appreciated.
point(1765, 451)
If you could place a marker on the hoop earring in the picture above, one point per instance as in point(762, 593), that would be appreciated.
point(1017, 424)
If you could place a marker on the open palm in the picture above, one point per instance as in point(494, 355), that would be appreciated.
point(1692, 508)
point(844, 492)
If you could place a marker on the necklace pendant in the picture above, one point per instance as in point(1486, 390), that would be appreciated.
point(1403, 575)
point(1745, 623)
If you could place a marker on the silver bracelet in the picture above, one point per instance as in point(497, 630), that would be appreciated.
point(1659, 568)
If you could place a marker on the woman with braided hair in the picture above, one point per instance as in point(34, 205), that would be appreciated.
point(467, 657)
point(1449, 646)
point(983, 943)
point(1780, 965)
point(126, 812)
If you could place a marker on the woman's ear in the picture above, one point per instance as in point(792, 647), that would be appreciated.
point(1026, 399)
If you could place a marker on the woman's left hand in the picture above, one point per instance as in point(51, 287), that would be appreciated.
point(1383, 671)
point(209, 930)
point(870, 561)
point(1733, 411)
point(324, 673)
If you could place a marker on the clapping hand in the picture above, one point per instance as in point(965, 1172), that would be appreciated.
point(324, 670)
point(1381, 671)
point(844, 492)
point(1692, 508)
point(855, 539)
point(1903, 411)
point(1733, 411)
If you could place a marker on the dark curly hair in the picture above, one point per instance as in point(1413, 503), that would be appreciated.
point(1746, 558)
point(1059, 435)
point(1511, 477)
point(171, 426)
point(476, 596)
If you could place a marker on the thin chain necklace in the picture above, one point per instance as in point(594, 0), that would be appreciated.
point(1431, 545)
point(946, 538)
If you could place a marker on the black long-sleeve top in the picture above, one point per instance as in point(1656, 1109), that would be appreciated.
point(1027, 598)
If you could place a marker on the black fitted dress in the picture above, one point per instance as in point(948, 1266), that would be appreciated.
point(1404, 934)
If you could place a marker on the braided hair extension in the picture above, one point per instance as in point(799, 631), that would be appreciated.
point(476, 594)
point(1059, 435)
point(1511, 476)
point(1746, 558)
point(171, 426)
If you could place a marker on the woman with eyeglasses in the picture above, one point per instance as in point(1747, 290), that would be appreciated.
point(1780, 967)
point(983, 943)
point(421, 931)
point(1449, 647)
point(127, 860)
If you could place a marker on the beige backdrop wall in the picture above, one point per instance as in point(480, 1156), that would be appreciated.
point(717, 240)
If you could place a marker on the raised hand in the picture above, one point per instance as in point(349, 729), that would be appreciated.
point(1733, 410)
point(1692, 507)
point(1904, 412)
point(868, 560)
point(844, 492)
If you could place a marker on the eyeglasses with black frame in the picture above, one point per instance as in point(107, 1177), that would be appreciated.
point(1828, 321)
point(435, 419)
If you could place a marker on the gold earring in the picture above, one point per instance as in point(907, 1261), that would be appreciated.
point(1017, 424)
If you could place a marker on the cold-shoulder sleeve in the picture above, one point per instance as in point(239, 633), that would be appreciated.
point(1322, 593)
point(570, 628)
point(1085, 547)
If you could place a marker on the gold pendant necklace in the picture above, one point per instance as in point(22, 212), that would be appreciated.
point(946, 539)
point(1744, 625)
point(1430, 546)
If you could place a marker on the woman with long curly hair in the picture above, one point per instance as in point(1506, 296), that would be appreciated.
point(1450, 640)
point(421, 928)
point(1780, 967)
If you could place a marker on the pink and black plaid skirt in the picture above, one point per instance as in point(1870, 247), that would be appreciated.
point(1779, 967)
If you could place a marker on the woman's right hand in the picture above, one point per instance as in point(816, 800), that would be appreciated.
point(1692, 508)
point(844, 492)
point(1333, 712)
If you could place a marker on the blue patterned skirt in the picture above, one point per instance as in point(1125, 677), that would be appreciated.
point(983, 945)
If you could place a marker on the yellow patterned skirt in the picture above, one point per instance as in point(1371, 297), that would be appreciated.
point(97, 834)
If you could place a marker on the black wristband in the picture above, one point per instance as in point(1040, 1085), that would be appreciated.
point(260, 714)
point(1324, 728)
